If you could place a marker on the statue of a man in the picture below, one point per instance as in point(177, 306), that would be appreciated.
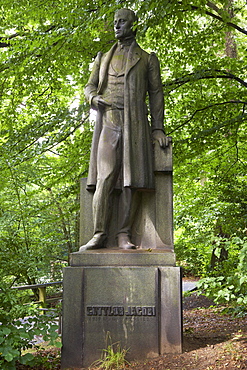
point(121, 154)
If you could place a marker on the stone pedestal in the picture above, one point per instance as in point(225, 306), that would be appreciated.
point(128, 296)
point(131, 297)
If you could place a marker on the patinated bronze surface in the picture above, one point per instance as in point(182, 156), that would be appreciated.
point(122, 155)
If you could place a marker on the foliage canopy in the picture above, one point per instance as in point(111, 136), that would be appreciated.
point(46, 49)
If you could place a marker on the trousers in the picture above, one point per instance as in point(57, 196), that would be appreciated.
point(109, 170)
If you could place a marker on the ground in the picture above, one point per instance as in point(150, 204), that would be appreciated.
point(211, 341)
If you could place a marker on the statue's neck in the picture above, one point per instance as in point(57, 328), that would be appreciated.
point(126, 41)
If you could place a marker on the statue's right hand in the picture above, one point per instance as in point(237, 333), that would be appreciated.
point(98, 102)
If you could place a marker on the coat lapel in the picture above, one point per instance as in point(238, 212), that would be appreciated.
point(133, 57)
point(104, 67)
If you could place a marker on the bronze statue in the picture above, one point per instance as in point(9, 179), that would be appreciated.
point(121, 154)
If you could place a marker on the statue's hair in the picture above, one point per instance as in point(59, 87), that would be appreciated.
point(133, 16)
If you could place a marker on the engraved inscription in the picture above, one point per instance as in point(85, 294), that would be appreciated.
point(105, 311)
point(140, 311)
point(120, 311)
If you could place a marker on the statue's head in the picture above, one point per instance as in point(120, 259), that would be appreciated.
point(123, 23)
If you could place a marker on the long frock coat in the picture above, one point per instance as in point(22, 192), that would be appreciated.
point(142, 78)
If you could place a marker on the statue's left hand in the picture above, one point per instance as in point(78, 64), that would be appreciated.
point(163, 140)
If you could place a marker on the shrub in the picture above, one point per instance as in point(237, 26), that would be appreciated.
point(19, 324)
point(228, 283)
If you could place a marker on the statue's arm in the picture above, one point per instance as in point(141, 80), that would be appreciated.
point(91, 89)
point(155, 91)
point(156, 101)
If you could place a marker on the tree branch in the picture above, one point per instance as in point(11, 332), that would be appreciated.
point(49, 148)
point(4, 40)
point(205, 108)
point(219, 17)
point(203, 75)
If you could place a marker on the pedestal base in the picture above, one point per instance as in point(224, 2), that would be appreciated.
point(137, 305)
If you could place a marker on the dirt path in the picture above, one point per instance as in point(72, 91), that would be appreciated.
point(211, 341)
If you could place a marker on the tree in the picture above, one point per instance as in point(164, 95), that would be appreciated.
point(46, 49)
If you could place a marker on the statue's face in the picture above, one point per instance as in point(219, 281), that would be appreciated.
point(123, 25)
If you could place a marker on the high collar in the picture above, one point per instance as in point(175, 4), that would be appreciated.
point(126, 42)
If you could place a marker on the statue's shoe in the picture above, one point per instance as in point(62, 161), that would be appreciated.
point(125, 243)
point(98, 241)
